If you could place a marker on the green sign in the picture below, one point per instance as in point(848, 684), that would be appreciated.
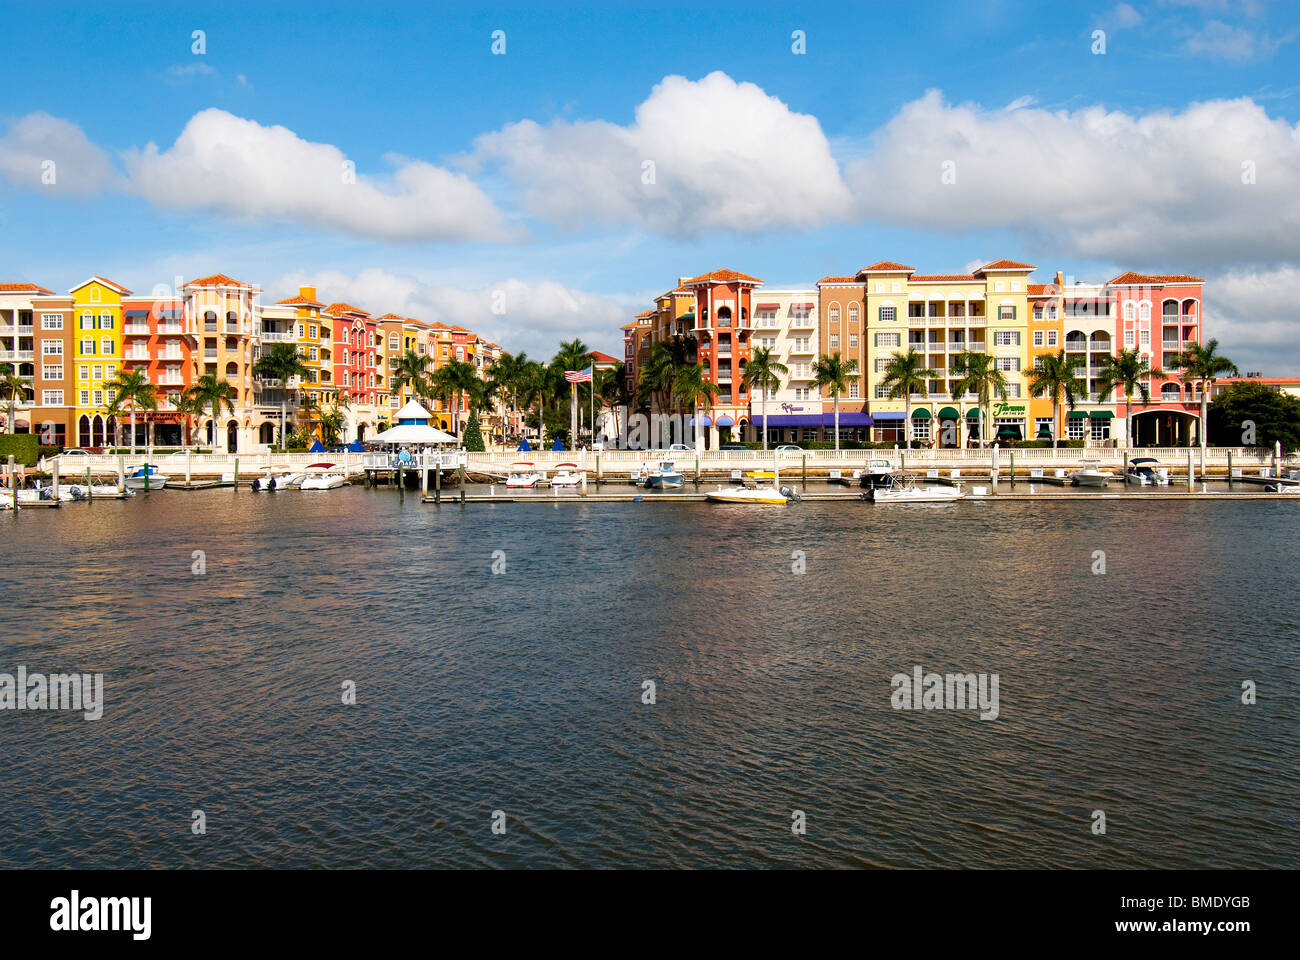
point(1008, 409)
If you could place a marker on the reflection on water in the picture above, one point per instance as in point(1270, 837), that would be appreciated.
point(522, 691)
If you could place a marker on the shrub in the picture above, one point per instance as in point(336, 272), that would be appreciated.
point(25, 448)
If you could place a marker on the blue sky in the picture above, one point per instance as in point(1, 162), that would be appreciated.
point(524, 171)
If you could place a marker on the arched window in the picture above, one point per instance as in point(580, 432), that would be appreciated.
point(1129, 312)
point(1144, 311)
point(1170, 391)
point(833, 314)
point(853, 313)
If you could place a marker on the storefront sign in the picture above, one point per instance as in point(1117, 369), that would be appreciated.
point(1008, 409)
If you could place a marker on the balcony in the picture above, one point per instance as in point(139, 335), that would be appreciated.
point(1171, 345)
point(136, 329)
point(137, 355)
point(209, 354)
point(802, 322)
point(272, 336)
point(801, 349)
point(170, 329)
point(210, 326)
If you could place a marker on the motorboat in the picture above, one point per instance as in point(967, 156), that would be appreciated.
point(322, 476)
point(907, 490)
point(1144, 471)
point(566, 475)
point(1090, 475)
point(147, 473)
point(877, 474)
point(94, 491)
point(522, 474)
point(272, 480)
point(752, 493)
point(36, 495)
point(665, 477)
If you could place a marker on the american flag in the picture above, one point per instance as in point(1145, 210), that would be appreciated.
point(578, 376)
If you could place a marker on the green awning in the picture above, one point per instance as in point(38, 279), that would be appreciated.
point(973, 414)
point(1078, 414)
point(1102, 415)
point(948, 413)
point(920, 413)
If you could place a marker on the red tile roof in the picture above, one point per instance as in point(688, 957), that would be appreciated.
point(1005, 265)
point(23, 288)
point(1147, 279)
point(339, 309)
point(945, 277)
point(109, 283)
point(1042, 289)
point(721, 276)
point(391, 316)
point(887, 266)
point(604, 357)
point(218, 280)
point(300, 301)
point(837, 280)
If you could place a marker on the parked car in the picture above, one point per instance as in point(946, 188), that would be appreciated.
point(680, 448)
point(733, 446)
point(74, 453)
point(789, 448)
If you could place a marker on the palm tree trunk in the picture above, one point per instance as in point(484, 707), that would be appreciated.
point(1205, 396)
point(836, 396)
point(133, 430)
point(1128, 421)
point(1056, 418)
point(907, 419)
point(283, 416)
point(764, 402)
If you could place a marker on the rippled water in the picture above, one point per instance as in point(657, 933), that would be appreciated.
point(522, 691)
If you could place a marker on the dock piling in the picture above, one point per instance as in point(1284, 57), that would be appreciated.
point(13, 482)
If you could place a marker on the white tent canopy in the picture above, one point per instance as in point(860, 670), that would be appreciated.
point(413, 434)
point(413, 411)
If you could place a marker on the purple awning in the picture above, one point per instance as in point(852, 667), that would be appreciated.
point(847, 419)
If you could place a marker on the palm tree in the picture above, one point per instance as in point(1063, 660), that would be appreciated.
point(189, 410)
point(693, 390)
point(412, 369)
point(906, 374)
point(542, 381)
point(832, 373)
point(132, 388)
point(1204, 364)
point(511, 373)
point(658, 377)
point(282, 362)
point(211, 391)
point(1129, 371)
point(572, 355)
point(763, 372)
point(978, 373)
point(1054, 376)
point(14, 386)
point(612, 391)
point(450, 382)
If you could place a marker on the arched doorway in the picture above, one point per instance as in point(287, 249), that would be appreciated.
point(361, 431)
point(266, 433)
point(232, 437)
point(83, 432)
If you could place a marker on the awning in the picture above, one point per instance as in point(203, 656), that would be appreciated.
point(687, 316)
point(847, 419)
point(802, 306)
point(1078, 415)
point(973, 414)
point(726, 422)
point(920, 413)
point(891, 415)
point(948, 413)
point(132, 314)
point(768, 306)
point(704, 421)
point(1102, 415)
point(316, 447)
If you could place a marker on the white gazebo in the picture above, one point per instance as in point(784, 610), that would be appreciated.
point(412, 429)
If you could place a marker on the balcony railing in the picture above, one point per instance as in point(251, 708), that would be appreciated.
point(1171, 345)
point(273, 336)
point(136, 329)
point(170, 329)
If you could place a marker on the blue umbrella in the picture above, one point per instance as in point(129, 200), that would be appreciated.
point(558, 444)
point(317, 447)
point(356, 447)
point(523, 445)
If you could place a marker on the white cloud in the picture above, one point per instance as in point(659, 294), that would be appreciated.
point(1224, 42)
point(538, 314)
point(1253, 314)
point(30, 143)
point(1022, 102)
point(1159, 191)
point(1122, 17)
point(230, 165)
point(179, 72)
point(726, 155)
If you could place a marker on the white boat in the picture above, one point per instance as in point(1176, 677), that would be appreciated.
point(878, 473)
point(566, 475)
point(37, 495)
point(272, 480)
point(523, 474)
point(136, 476)
point(1090, 475)
point(96, 491)
point(907, 490)
point(757, 493)
point(665, 477)
point(288, 481)
point(322, 476)
point(1144, 471)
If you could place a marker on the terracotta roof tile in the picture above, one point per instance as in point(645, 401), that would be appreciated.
point(23, 288)
point(1005, 265)
point(944, 277)
point(299, 301)
point(218, 280)
point(837, 280)
point(887, 266)
point(1143, 278)
point(339, 309)
point(721, 276)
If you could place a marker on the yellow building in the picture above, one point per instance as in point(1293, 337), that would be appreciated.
point(97, 359)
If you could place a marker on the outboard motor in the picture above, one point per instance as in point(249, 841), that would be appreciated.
point(789, 494)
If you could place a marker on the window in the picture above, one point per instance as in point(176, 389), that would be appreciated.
point(1144, 337)
point(800, 344)
point(111, 395)
point(312, 331)
point(83, 372)
point(88, 347)
point(106, 346)
point(1006, 338)
point(801, 393)
point(52, 371)
point(767, 343)
point(1008, 363)
point(86, 322)
point(1013, 387)
point(887, 339)
point(895, 287)
point(1100, 429)
point(52, 398)
point(52, 348)
point(1129, 312)
point(1007, 312)
point(853, 339)
point(853, 313)
point(110, 371)
point(916, 310)
point(835, 341)
point(833, 314)
point(99, 372)
point(313, 353)
point(999, 286)
point(1043, 423)
point(1038, 338)
point(887, 315)
point(1074, 428)
point(99, 397)
point(1144, 311)
point(882, 391)
point(921, 429)
point(94, 295)
point(1051, 311)
point(1038, 312)
point(853, 390)
point(1128, 338)
point(345, 357)
point(392, 343)
point(1051, 338)
point(84, 398)
point(106, 321)
point(52, 321)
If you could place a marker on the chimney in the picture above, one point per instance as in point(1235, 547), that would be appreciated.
point(1060, 281)
point(681, 281)
point(307, 292)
